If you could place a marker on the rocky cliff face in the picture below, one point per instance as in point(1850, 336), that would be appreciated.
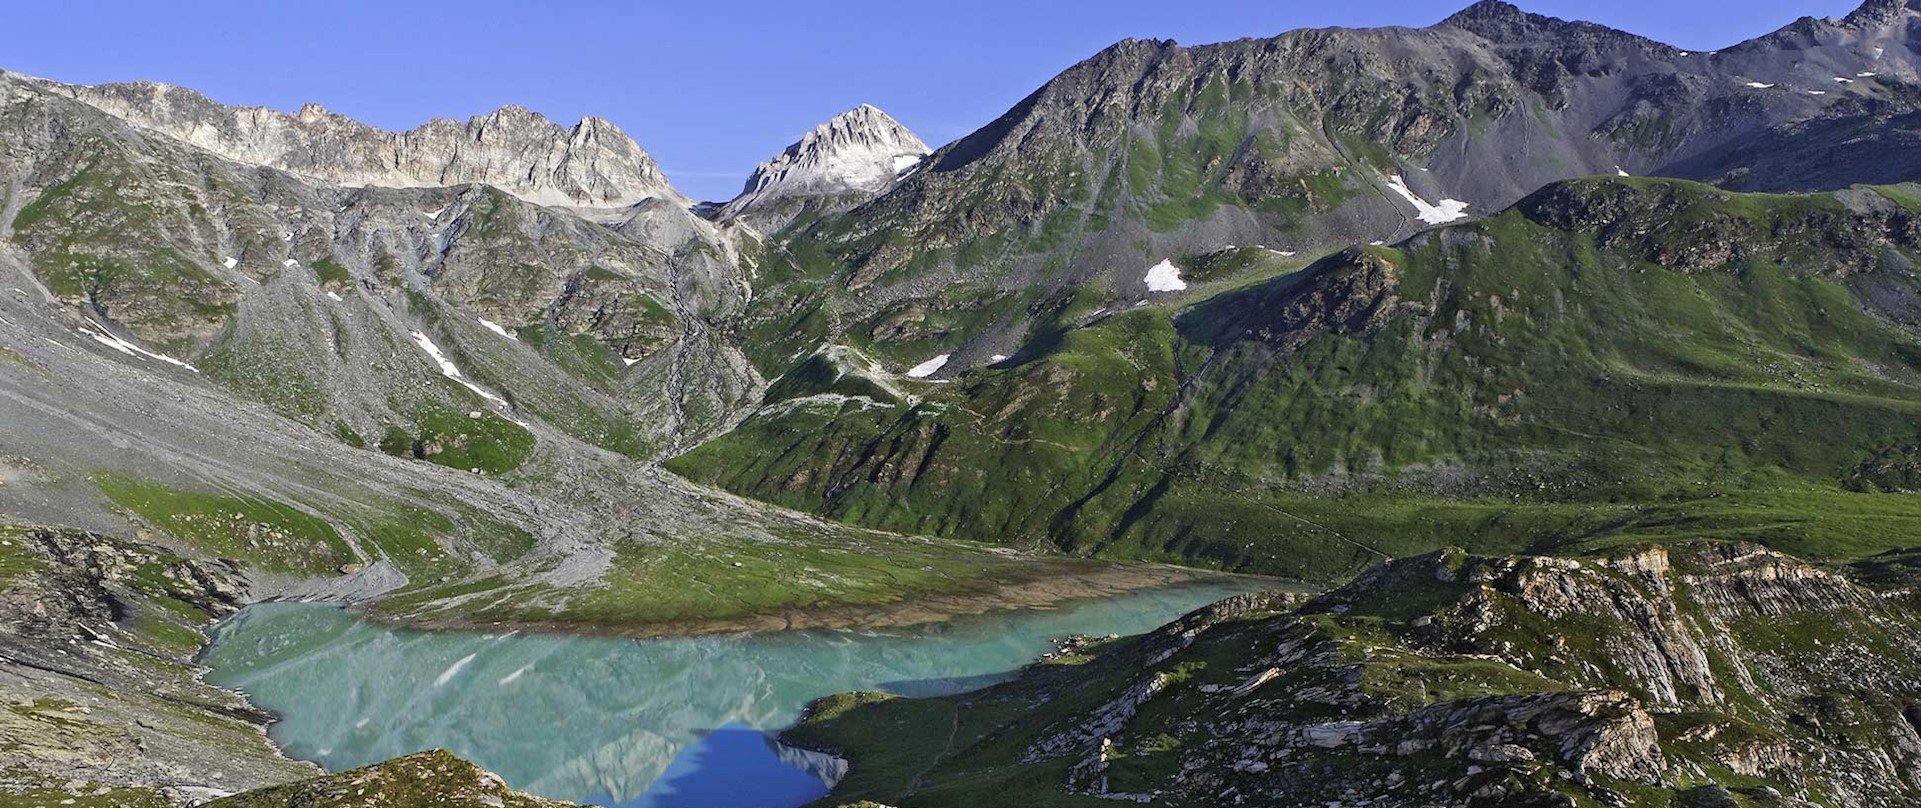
point(1689, 674)
point(589, 164)
point(841, 163)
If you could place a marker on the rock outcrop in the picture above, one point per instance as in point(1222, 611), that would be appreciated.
point(97, 642)
point(589, 164)
point(435, 778)
point(1630, 676)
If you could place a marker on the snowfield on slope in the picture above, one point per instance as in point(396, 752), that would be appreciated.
point(928, 368)
point(131, 349)
point(451, 371)
point(1165, 277)
point(1449, 210)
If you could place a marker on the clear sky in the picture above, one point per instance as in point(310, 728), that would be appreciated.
point(710, 88)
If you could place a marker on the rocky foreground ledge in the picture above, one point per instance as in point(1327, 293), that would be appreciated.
point(101, 704)
point(1699, 674)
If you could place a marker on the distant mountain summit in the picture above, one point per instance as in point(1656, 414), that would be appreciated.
point(1882, 12)
point(589, 164)
point(852, 157)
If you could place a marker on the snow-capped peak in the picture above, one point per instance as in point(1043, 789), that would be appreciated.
point(859, 152)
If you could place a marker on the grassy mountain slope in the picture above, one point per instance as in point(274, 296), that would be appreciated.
point(1150, 150)
point(1610, 357)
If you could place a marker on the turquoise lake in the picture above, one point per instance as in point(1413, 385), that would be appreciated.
point(620, 722)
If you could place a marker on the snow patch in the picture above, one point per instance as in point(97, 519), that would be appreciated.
point(131, 349)
point(1843, 80)
point(833, 401)
point(1866, 75)
point(997, 358)
point(290, 263)
point(207, 792)
point(1817, 92)
point(1759, 86)
point(1165, 277)
point(928, 368)
point(1449, 210)
point(1879, 51)
point(449, 370)
point(230, 262)
point(496, 328)
point(904, 163)
point(1622, 172)
point(436, 214)
point(335, 295)
point(629, 362)
point(453, 670)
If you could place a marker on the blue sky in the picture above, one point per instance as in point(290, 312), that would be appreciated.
point(710, 88)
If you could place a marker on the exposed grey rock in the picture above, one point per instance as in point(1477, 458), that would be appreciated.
point(591, 163)
point(841, 163)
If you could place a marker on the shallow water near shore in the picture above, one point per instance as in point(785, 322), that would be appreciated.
point(666, 723)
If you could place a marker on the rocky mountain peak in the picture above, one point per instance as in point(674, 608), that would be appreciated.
point(1876, 13)
point(590, 164)
point(855, 154)
point(1506, 23)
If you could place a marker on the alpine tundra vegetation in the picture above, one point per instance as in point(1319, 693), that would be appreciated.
point(1579, 374)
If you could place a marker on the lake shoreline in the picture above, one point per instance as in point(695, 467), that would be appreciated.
point(422, 679)
point(1048, 584)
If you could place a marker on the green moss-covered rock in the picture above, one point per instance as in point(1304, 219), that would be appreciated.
point(434, 779)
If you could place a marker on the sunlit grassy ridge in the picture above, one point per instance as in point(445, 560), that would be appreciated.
point(1612, 359)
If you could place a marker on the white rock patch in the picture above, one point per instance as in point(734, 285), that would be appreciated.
point(1165, 277)
point(928, 368)
point(1449, 210)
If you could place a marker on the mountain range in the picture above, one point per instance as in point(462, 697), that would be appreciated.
point(1308, 306)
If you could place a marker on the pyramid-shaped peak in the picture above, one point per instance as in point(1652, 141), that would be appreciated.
point(855, 154)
